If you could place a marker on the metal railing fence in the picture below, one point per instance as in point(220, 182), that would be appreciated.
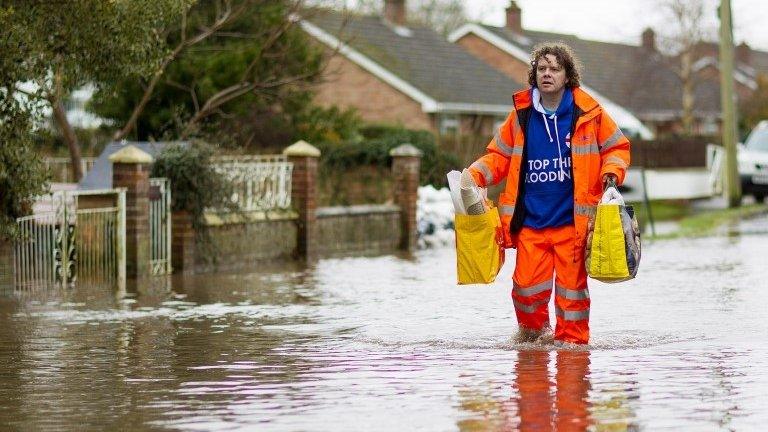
point(65, 244)
point(259, 182)
point(160, 225)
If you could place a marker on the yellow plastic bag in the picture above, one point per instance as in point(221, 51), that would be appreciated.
point(613, 245)
point(479, 250)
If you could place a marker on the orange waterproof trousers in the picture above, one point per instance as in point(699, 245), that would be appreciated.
point(540, 255)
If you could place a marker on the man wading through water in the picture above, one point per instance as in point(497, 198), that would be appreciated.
point(556, 149)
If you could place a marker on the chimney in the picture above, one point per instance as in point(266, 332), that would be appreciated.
point(744, 54)
point(649, 39)
point(514, 18)
point(394, 11)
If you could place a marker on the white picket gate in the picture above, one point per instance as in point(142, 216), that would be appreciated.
point(160, 225)
point(63, 244)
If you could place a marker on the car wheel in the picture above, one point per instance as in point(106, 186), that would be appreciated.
point(759, 197)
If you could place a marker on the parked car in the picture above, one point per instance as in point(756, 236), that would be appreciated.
point(753, 162)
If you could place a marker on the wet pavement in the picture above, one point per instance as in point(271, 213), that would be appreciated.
point(391, 343)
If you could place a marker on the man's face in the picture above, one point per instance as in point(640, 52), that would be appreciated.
point(550, 76)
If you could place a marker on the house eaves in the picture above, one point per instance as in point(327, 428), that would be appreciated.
point(458, 108)
point(428, 104)
point(498, 42)
point(619, 112)
point(738, 75)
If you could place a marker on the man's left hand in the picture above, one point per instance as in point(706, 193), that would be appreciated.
point(609, 179)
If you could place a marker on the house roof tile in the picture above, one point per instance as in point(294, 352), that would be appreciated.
point(424, 59)
point(759, 60)
point(640, 80)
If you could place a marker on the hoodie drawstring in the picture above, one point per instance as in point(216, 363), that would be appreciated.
point(561, 174)
point(559, 152)
point(546, 125)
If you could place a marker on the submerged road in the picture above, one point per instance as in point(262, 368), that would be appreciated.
point(391, 343)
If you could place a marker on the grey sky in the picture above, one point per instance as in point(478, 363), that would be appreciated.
point(617, 20)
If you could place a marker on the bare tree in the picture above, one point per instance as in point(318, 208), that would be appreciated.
point(444, 16)
point(224, 16)
point(689, 28)
point(223, 23)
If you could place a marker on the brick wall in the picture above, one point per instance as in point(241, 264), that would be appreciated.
point(355, 185)
point(347, 85)
point(243, 239)
point(496, 58)
point(245, 244)
point(364, 229)
point(6, 267)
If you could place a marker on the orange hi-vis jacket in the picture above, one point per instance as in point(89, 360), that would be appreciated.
point(597, 148)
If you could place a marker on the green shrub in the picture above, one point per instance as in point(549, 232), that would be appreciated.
point(374, 148)
point(332, 125)
point(23, 175)
point(195, 185)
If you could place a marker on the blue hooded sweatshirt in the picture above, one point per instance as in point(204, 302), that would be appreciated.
point(548, 174)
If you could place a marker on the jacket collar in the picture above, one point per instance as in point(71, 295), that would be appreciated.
point(582, 99)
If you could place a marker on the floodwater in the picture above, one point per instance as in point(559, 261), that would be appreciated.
point(391, 343)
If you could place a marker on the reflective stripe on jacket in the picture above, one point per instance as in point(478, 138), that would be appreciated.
point(598, 147)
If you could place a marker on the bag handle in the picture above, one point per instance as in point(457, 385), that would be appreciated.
point(611, 193)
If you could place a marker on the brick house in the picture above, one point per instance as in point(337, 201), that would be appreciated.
point(638, 77)
point(394, 72)
point(749, 65)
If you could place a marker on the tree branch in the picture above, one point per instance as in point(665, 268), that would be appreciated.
point(222, 19)
point(273, 37)
point(67, 132)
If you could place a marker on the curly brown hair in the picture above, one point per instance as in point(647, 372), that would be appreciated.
point(564, 55)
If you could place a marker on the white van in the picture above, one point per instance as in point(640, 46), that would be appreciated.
point(753, 162)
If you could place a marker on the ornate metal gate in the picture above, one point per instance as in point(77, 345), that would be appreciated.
point(73, 236)
point(160, 225)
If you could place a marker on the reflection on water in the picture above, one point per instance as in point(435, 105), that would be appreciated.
point(391, 343)
point(548, 395)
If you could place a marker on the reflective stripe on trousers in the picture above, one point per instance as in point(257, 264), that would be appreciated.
point(531, 303)
point(544, 255)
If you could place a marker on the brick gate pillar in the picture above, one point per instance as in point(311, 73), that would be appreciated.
point(130, 169)
point(304, 157)
point(406, 162)
point(182, 242)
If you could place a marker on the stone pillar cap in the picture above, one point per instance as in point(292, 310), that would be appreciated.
point(301, 148)
point(405, 150)
point(131, 155)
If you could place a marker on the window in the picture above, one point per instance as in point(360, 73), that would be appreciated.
point(449, 124)
point(709, 126)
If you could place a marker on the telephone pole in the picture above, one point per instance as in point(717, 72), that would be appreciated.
point(727, 95)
